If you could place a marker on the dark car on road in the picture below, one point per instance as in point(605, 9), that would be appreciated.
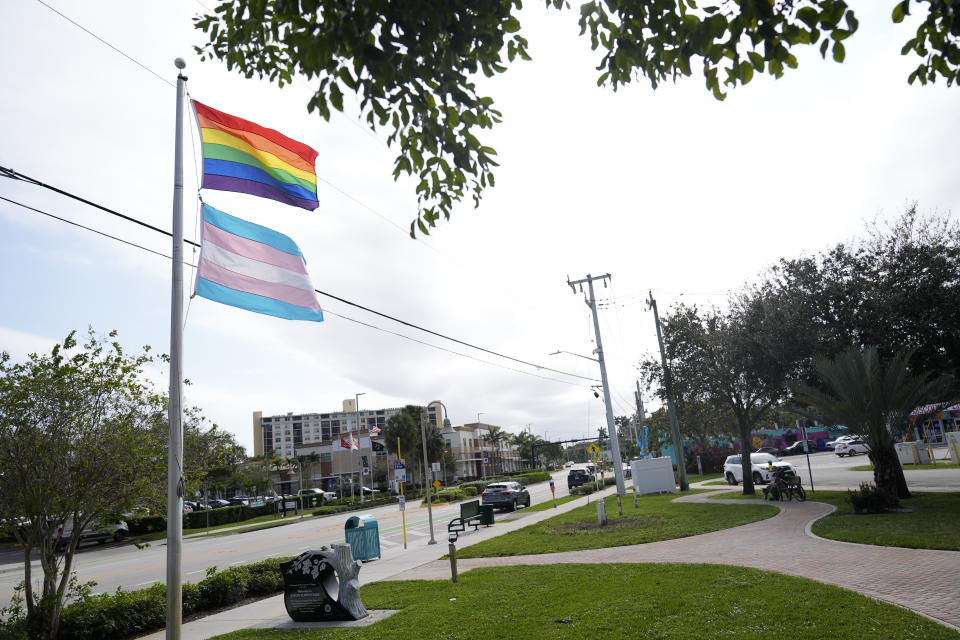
point(577, 477)
point(506, 495)
point(797, 447)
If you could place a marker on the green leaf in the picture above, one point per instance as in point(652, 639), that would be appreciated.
point(838, 52)
point(901, 10)
point(809, 16)
point(510, 25)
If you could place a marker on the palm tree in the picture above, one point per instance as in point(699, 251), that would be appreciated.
point(524, 442)
point(313, 459)
point(496, 436)
point(875, 399)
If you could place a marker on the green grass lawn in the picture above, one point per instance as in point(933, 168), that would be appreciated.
point(933, 522)
point(910, 467)
point(617, 601)
point(707, 476)
point(543, 506)
point(657, 518)
point(738, 495)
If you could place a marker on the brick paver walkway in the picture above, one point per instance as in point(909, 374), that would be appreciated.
point(925, 581)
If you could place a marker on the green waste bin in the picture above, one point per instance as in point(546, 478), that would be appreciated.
point(486, 514)
point(363, 536)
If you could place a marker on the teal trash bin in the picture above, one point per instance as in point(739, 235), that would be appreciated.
point(486, 514)
point(363, 536)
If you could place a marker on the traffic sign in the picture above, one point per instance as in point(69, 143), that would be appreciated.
point(402, 502)
point(593, 448)
point(398, 464)
point(400, 475)
point(436, 484)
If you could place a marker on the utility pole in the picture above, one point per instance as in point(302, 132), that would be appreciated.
point(668, 384)
point(611, 427)
point(638, 425)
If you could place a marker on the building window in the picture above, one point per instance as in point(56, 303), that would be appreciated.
point(326, 457)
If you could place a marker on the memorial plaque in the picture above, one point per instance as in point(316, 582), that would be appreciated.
point(322, 586)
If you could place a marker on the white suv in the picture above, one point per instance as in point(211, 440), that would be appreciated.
point(733, 468)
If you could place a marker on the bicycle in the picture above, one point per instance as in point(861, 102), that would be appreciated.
point(784, 484)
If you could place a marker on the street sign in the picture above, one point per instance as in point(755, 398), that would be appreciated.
point(400, 475)
point(435, 466)
point(436, 484)
point(403, 503)
point(485, 455)
point(398, 464)
point(593, 448)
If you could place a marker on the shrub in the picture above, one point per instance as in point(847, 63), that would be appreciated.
point(869, 499)
point(711, 458)
point(226, 515)
point(582, 490)
point(532, 477)
point(470, 492)
point(479, 485)
point(126, 614)
point(146, 524)
point(448, 495)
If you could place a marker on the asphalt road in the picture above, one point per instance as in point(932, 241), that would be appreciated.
point(124, 565)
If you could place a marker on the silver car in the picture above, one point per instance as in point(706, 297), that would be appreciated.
point(506, 495)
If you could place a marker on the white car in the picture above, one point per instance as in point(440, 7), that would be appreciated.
point(850, 448)
point(733, 468)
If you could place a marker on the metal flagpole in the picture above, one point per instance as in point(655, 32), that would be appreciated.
point(175, 486)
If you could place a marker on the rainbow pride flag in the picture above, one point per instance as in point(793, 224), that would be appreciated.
point(242, 156)
point(245, 265)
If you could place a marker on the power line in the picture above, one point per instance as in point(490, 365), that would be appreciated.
point(15, 175)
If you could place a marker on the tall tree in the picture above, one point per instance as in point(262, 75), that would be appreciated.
point(744, 359)
point(875, 398)
point(890, 289)
point(411, 64)
point(496, 437)
point(78, 445)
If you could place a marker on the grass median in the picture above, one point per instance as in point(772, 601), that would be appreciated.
point(616, 601)
point(657, 518)
point(926, 521)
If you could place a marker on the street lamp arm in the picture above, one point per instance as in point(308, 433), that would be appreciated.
point(574, 354)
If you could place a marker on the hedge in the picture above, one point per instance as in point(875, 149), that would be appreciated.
point(338, 506)
point(582, 490)
point(532, 477)
point(449, 495)
point(125, 614)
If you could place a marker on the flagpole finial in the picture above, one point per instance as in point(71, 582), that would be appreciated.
point(180, 63)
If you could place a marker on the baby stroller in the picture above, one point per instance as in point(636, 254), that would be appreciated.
point(784, 485)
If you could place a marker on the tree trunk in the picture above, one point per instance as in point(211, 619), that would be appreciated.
point(747, 465)
point(888, 474)
point(347, 570)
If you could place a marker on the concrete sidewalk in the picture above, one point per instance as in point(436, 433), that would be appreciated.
point(396, 564)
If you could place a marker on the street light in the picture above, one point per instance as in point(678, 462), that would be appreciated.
point(356, 409)
point(555, 353)
point(426, 464)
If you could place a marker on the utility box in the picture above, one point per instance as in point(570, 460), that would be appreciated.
point(912, 452)
point(953, 445)
point(363, 536)
point(653, 475)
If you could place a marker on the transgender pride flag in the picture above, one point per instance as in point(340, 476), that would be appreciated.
point(255, 268)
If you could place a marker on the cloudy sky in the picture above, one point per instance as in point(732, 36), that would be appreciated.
point(669, 191)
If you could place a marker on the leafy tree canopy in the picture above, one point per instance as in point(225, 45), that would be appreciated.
point(78, 444)
point(412, 63)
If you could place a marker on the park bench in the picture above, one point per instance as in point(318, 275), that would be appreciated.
point(469, 515)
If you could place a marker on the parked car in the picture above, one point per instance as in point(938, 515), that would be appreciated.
point(368, 491)
point(239, 501)
point(577, 477)
point(216, 503)
point(797, 447)
point(760, 463)
point(568, 464)
point(506, 495)
point(832, 444)
point(771, 450)
point(851, 448)
point(95, 532)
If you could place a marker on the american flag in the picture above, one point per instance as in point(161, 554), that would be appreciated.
point(374, 430)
